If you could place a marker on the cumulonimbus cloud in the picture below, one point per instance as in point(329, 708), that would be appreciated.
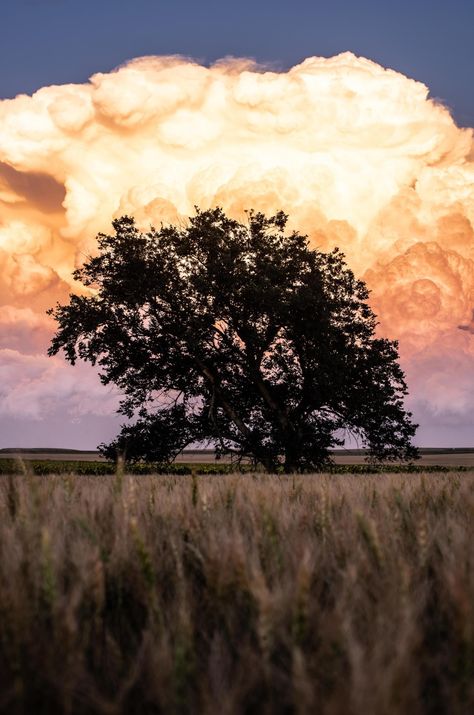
point(358, 155)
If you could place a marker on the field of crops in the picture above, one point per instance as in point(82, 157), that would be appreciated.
point(96, 468)
point(230, 594)
point(79, 467)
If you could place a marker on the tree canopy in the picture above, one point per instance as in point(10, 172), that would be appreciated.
point(239, 335)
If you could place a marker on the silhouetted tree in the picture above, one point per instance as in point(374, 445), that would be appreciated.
point(239, 335)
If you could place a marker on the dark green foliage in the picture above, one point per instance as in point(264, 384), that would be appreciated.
point(44, 467)
point(239, 335)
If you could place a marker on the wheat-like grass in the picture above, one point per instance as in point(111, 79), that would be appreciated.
point(231, 594)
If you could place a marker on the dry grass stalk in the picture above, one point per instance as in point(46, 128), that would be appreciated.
point(237, 594)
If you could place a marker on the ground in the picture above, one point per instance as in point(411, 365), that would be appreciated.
point(245, 593)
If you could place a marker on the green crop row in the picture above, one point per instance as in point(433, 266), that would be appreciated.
point(44, 467)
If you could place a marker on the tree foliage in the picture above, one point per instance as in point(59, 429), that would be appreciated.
point(238, 335)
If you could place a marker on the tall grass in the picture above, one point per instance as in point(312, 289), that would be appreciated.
point(237, 594)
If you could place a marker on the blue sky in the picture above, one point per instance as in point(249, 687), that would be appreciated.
point(56, 41)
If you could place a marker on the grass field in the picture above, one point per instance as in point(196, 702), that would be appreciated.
point(336, 594)
point(429, 457)
point(82, 467)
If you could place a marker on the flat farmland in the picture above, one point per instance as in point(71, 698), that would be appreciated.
point(243, 594)
point(429, 457)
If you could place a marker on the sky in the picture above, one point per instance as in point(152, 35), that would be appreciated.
point(76, 155)
point(59, 41)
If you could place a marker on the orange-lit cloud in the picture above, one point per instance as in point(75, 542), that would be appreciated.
point(358, 155)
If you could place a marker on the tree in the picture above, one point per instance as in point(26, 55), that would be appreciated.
point(236, 335)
